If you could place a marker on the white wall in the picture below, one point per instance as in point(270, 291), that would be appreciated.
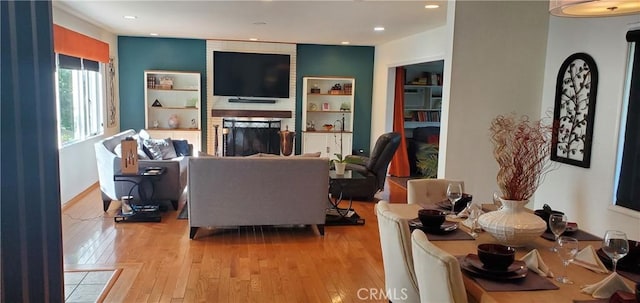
point(77, 161)
point(221, 102)
point(497, 68)
point(586, 195)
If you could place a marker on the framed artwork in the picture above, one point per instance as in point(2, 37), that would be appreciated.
point(574, 110)
point(325, 106)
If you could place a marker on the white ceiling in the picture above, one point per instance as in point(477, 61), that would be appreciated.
point(313, 22)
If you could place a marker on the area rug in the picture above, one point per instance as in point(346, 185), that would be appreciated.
point(184, 212)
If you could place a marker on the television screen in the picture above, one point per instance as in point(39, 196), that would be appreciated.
point(250, 74)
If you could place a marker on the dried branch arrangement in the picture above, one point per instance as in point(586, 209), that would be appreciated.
point(521, 148)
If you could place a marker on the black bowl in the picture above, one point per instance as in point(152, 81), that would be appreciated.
point(544, 214)
point(496, 256)
point(431, 217)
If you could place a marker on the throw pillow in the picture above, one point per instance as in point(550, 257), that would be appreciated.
point(144, 134)
point(118, 150)
point(160, 149)
point(181, 147)
point(142, 153)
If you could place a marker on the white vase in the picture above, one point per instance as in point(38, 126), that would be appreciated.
point(173, 121)
point(340, 167)
point(512, 224)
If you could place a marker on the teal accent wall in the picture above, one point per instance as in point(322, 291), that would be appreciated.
point(343, 61)
point(137, 54)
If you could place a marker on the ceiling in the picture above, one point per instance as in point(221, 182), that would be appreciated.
point(313, 22)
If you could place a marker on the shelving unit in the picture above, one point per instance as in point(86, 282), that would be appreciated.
point(323, 106)
point(178, 93)
point(422, 105)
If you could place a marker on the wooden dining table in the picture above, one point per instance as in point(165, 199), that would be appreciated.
point(565, 293)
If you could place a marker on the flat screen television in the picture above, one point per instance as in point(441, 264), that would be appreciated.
point(251, 75)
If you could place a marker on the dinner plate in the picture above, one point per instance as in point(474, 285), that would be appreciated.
point(446, 227)
point(516, 266)
point(466, 265)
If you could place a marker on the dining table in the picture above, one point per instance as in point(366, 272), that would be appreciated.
point(564, 292)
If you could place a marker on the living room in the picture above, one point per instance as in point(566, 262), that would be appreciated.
point(483, 77)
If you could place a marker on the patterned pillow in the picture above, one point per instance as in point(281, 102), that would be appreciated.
point(142, 153)
point(160, 149)
point(181, 147)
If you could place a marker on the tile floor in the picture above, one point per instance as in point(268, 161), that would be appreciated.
point(85, 286)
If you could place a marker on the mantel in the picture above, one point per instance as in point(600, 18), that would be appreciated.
point(251, 113)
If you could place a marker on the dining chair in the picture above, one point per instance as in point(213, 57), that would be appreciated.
point(397, 260)
point(437, 272)
point(428, 191)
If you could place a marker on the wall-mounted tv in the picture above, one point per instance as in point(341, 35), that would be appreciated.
point(251, 75)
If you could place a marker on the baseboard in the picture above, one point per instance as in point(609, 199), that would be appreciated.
point(81, 195)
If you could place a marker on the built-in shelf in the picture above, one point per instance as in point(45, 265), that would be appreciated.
point(330, 111)
point(326, 131)
point(174, 89)
point(326, 94)
point(172, 107)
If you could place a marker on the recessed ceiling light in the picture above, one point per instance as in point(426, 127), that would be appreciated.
point(431, 6)
point(130, 17)
point(344, 42)
point(378, 28)
point(253, 39)
point(259, 23)
point(153, 34)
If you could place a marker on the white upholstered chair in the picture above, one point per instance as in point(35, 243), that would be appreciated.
point(397, 260)
point(428, 191)
point(437, 272)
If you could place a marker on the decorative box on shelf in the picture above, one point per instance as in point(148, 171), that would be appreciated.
point(335, 92)
point(166, 83)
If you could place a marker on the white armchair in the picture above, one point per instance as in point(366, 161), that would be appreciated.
point(437, 272)
point(397, 260)
point(428, 191)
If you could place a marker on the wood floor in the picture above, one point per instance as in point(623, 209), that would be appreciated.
point(250, 264)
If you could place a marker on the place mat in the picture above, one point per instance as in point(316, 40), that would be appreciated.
point(457, 234)
point(629, 275)
point(578, 234)
point(532, 281)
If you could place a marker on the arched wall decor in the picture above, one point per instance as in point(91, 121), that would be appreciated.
point(574, 110)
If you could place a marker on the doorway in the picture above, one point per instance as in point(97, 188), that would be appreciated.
point(422, 112)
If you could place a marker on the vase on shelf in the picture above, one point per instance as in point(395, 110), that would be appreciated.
point(512, 224)
point(173, 121)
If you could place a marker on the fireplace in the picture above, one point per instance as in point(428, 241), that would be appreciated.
point(248, 137)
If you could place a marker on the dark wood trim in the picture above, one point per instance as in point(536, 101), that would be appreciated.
point(251, 113)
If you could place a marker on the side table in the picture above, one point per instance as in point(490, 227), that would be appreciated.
point(146, 210)
point(335, 214)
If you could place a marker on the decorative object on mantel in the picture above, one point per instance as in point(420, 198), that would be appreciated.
point(286, 141)
point(156, 103)
point(521, 148)
point(215, 140)
point(173, 121)
point(574, 110)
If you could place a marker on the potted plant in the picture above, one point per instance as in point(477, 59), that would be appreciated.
point(522, 148)
point(340, 164)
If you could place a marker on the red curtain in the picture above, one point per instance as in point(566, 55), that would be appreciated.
point(68, 42)
point(400, 163)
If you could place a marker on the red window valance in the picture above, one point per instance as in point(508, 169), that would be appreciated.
point(68, 42)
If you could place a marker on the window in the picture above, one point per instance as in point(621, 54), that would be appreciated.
point(628, 192)
point(80, 95)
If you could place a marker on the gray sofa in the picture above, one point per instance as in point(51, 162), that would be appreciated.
point(242, 191)
point(170, 186)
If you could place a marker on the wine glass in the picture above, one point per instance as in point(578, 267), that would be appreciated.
point(454, 193)
point(615, 245)
point(557, 224)
point(567, 249)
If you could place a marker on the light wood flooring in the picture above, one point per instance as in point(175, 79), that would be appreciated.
point(159, 263)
